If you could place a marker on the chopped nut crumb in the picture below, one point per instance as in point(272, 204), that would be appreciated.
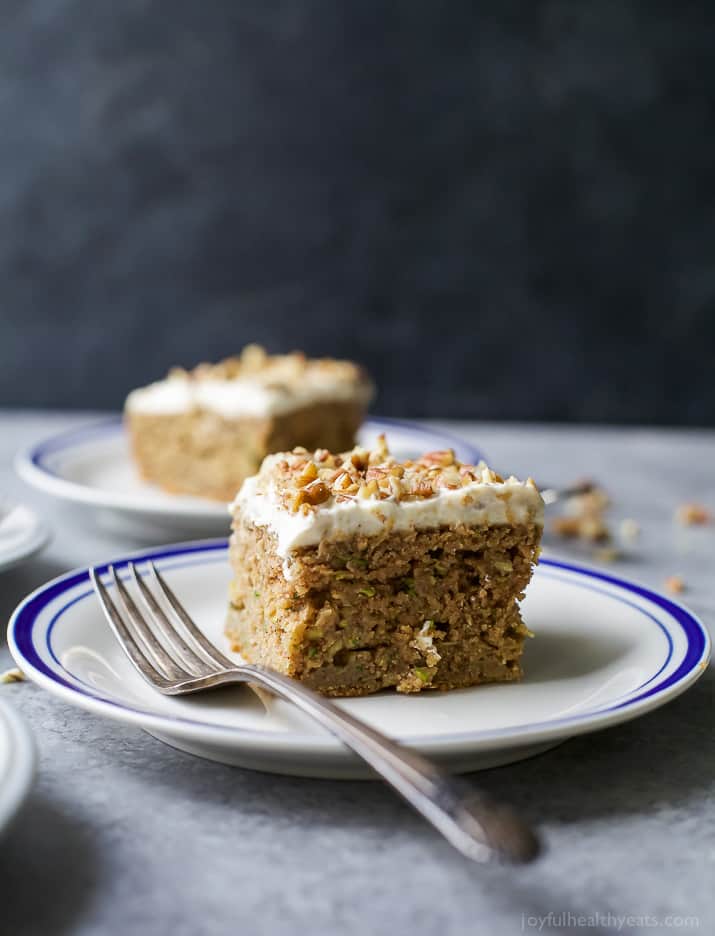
point(568, 527)
point(585, 518)
point(308, 474)
point(693, 515)
point(606, 554)
point(12, 675)
point(314, 493)
point(441, 458)
point(275, 370)
point(630, 530)
point(303, 481)
point(674, 584)
point(592, 529)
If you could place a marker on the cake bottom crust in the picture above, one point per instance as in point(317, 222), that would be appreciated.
point(432, 609)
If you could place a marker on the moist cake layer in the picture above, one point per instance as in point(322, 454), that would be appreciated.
point(207, 455)
point(413, 610)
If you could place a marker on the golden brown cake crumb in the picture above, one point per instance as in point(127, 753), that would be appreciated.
point(12, 675)
point(629, 530)
point(585, 518)
point(607, 554)
point(693, 515)
point(674, 584)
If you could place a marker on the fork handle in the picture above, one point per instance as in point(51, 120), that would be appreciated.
point(476, 825)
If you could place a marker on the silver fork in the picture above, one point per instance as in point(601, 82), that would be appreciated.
point(552, 495)
point(175, 657)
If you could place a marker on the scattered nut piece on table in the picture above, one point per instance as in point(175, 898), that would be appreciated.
point(674, 584)
point(585, 518)
point(630, 530)
point(12, 675)
point(606, 554)
point(693, 515)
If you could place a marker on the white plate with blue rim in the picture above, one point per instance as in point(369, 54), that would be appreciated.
point(22, 534)
point(606, 650)
point(17, 763)
point(91, 467)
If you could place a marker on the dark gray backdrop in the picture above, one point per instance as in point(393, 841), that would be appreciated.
point(504, 210)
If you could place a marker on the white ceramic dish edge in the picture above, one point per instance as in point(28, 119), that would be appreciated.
point(201, 732)
point(31, 465)
point(20, 772)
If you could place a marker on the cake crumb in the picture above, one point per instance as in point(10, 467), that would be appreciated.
point(12, 675)
point(674, 584)
point(630, 530)
point(607, 554)
point(693, 515)
point(585, 518)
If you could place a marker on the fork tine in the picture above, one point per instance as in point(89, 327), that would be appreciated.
point(191, 631)
point(122, 633)
point(151, 646)
point(190, 660)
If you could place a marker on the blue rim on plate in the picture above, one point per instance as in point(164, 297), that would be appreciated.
point(70, 438)
point(41, 465)
point(23, 643)
point(33, 537)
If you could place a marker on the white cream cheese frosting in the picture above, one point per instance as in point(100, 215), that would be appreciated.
point(254, 385)
point(485, 500)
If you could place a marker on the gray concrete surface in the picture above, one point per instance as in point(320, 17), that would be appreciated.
point(124, 835)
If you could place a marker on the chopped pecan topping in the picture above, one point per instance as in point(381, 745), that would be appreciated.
point(304, 480)
point(276, 371)
point(315, 493)
point(693, 515)
point(674, 584)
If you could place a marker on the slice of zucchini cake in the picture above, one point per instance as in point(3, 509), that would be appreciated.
point(357, 572)
point(202, 432)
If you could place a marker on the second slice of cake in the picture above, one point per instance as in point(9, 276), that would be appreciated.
point(202, 432)
point(356, 572)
